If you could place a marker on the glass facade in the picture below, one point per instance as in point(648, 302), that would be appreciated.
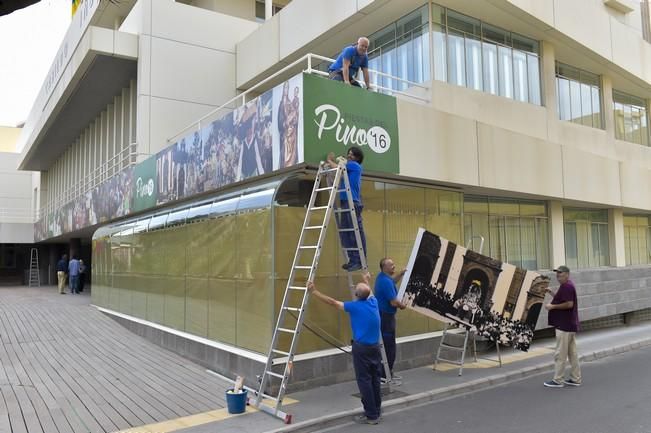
point(631, 122)
point(586, 238)
point(474, 54)
point(637, 239)
point(402, 49)
point(218, 268)
point(513, 231)
point(579, 96)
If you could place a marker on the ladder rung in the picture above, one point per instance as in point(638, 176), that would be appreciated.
point(342, 210)
point(325, 188)
point(290, 331)
point(308, 247)
point(328, 170)
point(460, 349)
point(297, 288)
point(302, 267)
point(346, 230)
point(450, 361)
point(313, 227)
point(278, 375)
point(352, 249)
point(319, 208)
point(292, 309)
point(281, 352)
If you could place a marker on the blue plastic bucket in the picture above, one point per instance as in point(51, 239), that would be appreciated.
point(236, 402)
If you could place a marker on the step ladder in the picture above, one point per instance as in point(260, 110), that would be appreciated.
point(34, 274)
point(456, 329)
point(291, 316)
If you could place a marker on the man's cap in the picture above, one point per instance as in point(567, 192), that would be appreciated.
point(562, 268)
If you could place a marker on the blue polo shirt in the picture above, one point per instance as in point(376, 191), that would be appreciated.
point(364, 320)
point(356, 61)
point(385, 292)
point(354, 170)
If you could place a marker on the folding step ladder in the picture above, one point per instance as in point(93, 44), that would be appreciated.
point(34, 274)
point(306, 260)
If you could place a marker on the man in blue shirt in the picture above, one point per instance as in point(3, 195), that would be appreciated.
point(354, 168)
point(367, 359)
point(388, 303)
point(62, 272)
point(351, 59)
point(73, 271)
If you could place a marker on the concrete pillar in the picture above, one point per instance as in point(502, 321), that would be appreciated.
point(268, 9)
point(74, 248)
point(556, 234)
point(548, 81)
point(616, 237)
point(53, 258)
point(608, 105)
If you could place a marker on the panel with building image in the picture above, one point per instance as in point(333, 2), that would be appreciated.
point(451, 283)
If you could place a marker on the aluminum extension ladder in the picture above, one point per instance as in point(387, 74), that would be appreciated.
point(279, 363)
point(34, 274)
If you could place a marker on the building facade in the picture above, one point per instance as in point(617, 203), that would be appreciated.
point(517, 125)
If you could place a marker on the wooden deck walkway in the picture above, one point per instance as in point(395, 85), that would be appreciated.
point(65, 367)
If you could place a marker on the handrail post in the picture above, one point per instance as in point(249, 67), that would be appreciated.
point(309, 63)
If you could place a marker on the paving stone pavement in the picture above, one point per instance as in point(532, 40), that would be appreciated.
point(65, 367)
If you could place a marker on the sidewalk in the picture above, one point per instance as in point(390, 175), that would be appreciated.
point(334, 405)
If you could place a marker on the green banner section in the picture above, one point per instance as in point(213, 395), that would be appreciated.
point(337, 116)
point(144, 184)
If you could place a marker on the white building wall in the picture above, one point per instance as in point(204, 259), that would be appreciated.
point(16, 211)
point(186, 66)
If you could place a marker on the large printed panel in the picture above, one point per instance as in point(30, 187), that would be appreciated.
point(451, 283)
point(338, 116)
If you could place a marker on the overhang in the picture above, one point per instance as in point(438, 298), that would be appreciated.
point(103, 63)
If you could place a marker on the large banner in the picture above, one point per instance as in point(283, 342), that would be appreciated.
point(264, 135)
point(300, 120)
point(451, 283)
point(338, 116)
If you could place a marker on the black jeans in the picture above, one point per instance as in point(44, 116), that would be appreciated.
point(348, 238)
point(339, 76)
point(388, 329)
point(367, 360)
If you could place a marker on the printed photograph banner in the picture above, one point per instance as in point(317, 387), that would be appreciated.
point(451, 283)
point(259, 137)
point(338, 116)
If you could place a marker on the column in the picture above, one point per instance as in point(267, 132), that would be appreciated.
point(556, 234)
point(548, 80)
point(616, 237)
point(608, 105)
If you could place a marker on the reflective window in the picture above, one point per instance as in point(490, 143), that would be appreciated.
point(579, 96)
point(586, 238)
point(402, 50)
point(474, 54)
point(513, 231)
point(630, 118)
point(637, 239)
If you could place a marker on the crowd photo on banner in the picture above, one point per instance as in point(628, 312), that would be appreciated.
point(259, 137)
point(454, 284)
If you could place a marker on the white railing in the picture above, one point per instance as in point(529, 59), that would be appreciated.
point(109, 168)
point(309, 61)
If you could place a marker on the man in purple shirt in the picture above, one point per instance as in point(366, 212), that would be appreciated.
point(564, 316)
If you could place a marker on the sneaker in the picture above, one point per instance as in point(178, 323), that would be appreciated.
point(571, 382)
point(352, 267)
point(553, 384)
point(363, 419)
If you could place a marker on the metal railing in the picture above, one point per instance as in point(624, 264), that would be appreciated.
point(311, 68)
point(109, 168)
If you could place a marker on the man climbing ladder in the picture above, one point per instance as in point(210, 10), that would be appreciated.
point(306, 259)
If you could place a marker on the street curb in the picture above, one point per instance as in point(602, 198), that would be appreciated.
point(344, 417)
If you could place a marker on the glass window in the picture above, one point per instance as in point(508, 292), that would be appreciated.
point(586, 238)
point(637, 240)
point(630, 118)
point(579, 96)
point(484, 57)
point(513, 231)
